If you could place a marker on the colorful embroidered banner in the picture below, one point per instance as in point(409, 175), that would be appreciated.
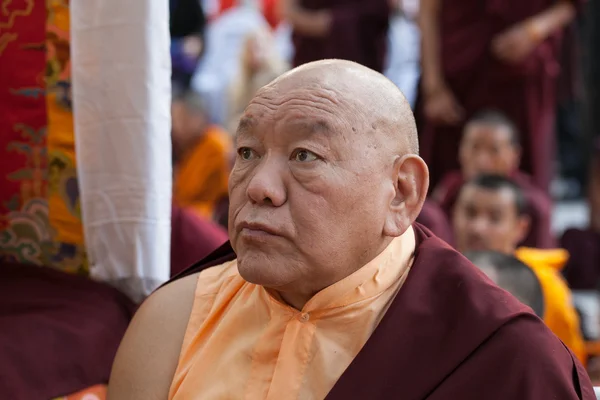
point(25, 233)
point(40, 218)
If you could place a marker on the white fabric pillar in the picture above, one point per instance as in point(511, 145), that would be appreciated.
point(121, 70)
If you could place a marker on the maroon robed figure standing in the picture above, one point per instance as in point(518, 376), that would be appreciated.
point(500, 54)
point(354, 30)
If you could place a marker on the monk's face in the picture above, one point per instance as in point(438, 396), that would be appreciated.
point(310, 190)
point(186, 125)
point(488, 220)
point(487, 149)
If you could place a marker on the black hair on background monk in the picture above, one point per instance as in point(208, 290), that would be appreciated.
point(512, 275)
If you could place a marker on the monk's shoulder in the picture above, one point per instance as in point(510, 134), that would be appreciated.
point(148, 355)
point(528, 338)
point(521, 360)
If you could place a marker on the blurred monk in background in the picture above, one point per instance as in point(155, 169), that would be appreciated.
point(490, 145)
point(500, 54)
point(354, 30)
point(490, 215)
point(202, 155)
point(583, 269)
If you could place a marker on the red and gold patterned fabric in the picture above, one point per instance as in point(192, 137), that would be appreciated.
point(25, 232)
point(40, 218)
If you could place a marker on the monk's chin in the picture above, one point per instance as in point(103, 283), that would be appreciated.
point(262, 274)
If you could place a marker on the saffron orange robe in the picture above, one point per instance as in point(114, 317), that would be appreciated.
point(201, 179)
point(283, 353)
point(559, 312)
point(449, 333)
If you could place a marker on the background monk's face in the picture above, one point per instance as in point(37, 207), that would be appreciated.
point(487, 149)
point(186, 124)
point(487, 220)
point(310, 190)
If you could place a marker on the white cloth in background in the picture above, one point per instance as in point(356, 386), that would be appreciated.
point(122, 91)
point(402, 63)
point(225, 37)
point(283, 42)
point(587, 302)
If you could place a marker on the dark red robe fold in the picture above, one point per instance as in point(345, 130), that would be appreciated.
point(582, 271)
point(539, 206)
point(526, 93)
point(59, 332)
point(358, 33)
point(192, 238)
point(452, 334)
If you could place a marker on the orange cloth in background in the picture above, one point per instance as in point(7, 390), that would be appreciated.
point(243, 342)
point(94, 393)
point(201, 179)
point(63, 200)
point(559, 313)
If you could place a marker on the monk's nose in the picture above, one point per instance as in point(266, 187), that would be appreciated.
point(483, 163)
point(266, 186)
point(479, 225)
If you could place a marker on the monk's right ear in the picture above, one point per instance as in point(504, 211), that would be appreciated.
point(411, 178)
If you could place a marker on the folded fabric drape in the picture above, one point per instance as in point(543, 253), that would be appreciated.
point(121, 95)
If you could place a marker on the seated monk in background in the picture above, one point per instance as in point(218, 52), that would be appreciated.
point(328, 289)
point(490, 215)
point(202, 157)
point(512, 275)
point(490, 145)
point(582, 271)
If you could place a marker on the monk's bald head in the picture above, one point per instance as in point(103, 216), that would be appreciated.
point(368, 101)
point(327, 163)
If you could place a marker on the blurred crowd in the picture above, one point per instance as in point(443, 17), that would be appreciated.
point(498, 96)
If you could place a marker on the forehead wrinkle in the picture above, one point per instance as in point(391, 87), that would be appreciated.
point(245, 126)
point(310, 126)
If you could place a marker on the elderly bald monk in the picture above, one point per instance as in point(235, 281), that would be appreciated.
point(328, 289)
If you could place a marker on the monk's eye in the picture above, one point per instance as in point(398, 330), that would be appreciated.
point(247, 154)
point(303, 155)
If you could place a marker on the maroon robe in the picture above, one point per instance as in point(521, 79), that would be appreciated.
point(192, 238)
point(526, 93)
point(433, 218)
point(539, 206)
point(452, 334)
point(358, 33)
point(582, 271)
point(59, 332)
